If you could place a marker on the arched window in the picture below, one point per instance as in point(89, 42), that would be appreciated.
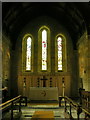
point(44, 52)
point(59, 47)
point(44, 49)
point(28, 53)
point(27, 50)
point(60, 53)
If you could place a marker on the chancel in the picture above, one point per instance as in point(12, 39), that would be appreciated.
point(45, 60)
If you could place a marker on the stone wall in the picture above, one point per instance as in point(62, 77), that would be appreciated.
point(88, 62)
point(6, 59)
point(84, 58)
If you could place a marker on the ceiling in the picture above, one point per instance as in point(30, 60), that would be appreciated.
point(74, 16)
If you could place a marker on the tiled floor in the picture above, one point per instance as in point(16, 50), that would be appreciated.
point(58, 111)
point(29, 110)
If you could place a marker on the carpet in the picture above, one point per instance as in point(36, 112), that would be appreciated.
point(43, 115)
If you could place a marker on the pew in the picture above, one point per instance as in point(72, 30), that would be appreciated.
point(86, 99)
point(10, 104)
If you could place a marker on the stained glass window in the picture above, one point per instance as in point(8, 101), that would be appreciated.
point(44, 50)
point(59, 44)
point(28, 54)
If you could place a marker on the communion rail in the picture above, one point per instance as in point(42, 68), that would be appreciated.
point(74, 105)
point(10, 104)
point(69, 104)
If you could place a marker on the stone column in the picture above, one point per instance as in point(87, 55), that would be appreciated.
point(88, 62)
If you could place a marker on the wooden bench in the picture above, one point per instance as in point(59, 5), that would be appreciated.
point(86, 99)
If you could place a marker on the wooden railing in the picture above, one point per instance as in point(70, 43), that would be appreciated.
point(74, 105)
point(10, 105)
point(69, 103)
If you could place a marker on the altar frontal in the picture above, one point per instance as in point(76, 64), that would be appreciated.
point(43, 93)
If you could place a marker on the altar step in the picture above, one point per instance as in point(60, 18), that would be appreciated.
point(27, 113)
point(43, 105)
point(29, 110)
point(43, 101)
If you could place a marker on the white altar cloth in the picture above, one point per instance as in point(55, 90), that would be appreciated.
point(43, 93)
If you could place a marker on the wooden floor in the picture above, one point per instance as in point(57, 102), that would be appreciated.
point(43, 115)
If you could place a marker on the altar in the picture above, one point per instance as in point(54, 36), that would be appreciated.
point(43, 93)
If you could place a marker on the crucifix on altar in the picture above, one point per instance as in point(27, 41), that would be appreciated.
point(44, 81)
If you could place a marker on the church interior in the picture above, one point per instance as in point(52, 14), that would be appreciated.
point(46, 59)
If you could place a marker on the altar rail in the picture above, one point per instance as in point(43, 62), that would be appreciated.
point(79, 109)
point(10, 105)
